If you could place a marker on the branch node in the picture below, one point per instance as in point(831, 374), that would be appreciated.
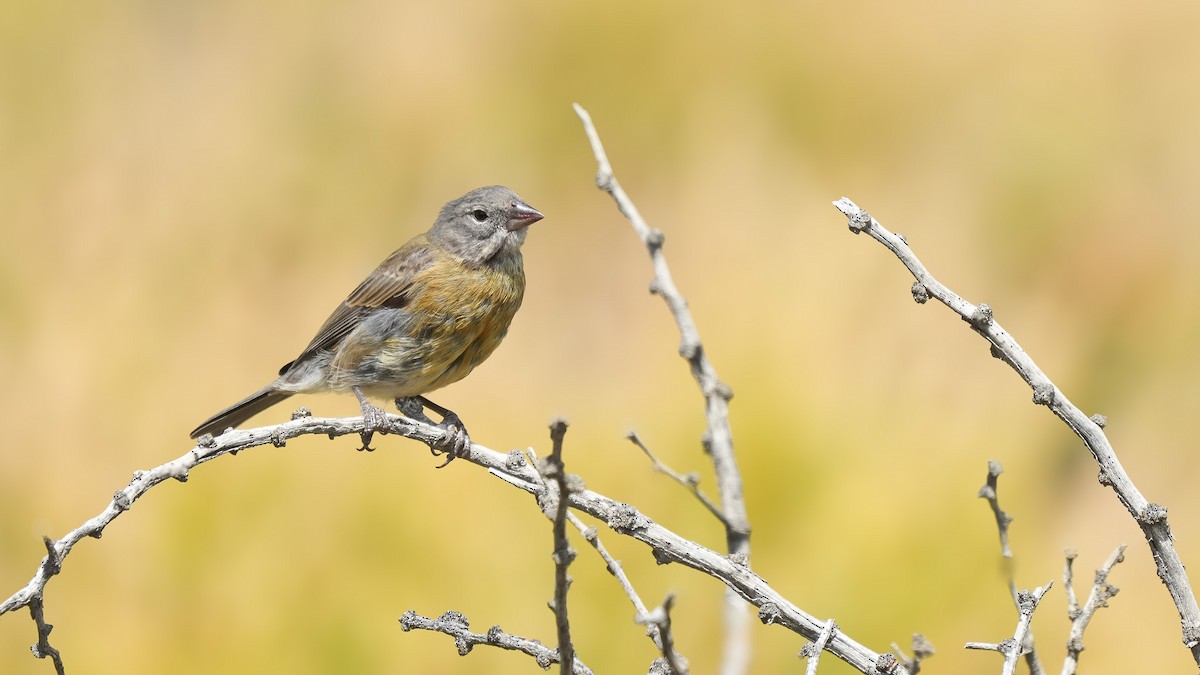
point(689, 349)
point(1026, 601)
point(1043, 394)
point(662, 556)
point(857, 219)
point(53, 559)
point(456, 619)
point(995, 468)
point(1152, 514)
point(301, 413)
point(982, 316)
point(655, 239)
point(920, 293)
point(515, 461)
point(122, 500)
point(886, 663)
point(626, 519)
point(769, 613)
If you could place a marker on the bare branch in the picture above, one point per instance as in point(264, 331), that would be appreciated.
point(553, 470)
point(614, 568)
point(624, 519)
point(457, 626)
point(812, 651)
point(922, 649)
point(207, 449)
point(991, 492)
point(1101, 592)
point(1150, 517)
point(660, 618)
point(42, 648)
point(1027, 602)
point(691, 481)
point(718, 439)
point(1012, 647)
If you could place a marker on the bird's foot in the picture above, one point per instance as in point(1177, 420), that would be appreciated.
point(374, 420)
point(413, 409)
point(455, 441)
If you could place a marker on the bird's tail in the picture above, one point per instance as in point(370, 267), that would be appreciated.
point(241, 411)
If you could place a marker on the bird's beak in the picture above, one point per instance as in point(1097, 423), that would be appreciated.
point(522, 215)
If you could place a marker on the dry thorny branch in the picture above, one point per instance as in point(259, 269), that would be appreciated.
point(1150, 517)
point(1100, 593)
point(556, 492)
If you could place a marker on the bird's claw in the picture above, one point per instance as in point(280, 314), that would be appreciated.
point(374, 420)
point(455, 440)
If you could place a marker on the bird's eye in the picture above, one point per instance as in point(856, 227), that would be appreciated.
point(479, 215)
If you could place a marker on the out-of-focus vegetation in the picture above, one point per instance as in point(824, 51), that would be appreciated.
point(187, 189)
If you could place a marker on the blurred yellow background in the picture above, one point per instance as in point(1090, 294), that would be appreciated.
point(187, 189)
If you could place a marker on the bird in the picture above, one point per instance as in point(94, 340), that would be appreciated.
point(430, 313)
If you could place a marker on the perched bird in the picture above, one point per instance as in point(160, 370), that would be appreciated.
point(431, 312)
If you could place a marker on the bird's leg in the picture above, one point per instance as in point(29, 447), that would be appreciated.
point(374, 419)
point(414, 409)
point(456, 442)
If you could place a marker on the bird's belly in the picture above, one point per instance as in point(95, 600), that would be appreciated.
point(435, 340)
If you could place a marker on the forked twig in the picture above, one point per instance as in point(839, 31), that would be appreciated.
point(1150, 517)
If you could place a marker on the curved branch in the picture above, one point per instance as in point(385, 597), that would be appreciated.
point(624, 519)
point(1152, 518)
point(458, 627)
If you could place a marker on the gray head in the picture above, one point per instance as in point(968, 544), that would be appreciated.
point(483, 224)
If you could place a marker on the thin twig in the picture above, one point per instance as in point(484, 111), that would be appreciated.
point(42, 648)
point(718, 438)
point(457, 626)
point(661, 619)
point(922, 649)
point(991, 492)
point(563, 553)
point(591, 536)
point(690, 481)
point(1027, 602)
point(516, 460)
point(1012, 647)
point(1080, 616)
point(1150, 517)
point(812, 651)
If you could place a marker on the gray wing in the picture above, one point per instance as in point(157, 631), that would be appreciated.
point(387, 286)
